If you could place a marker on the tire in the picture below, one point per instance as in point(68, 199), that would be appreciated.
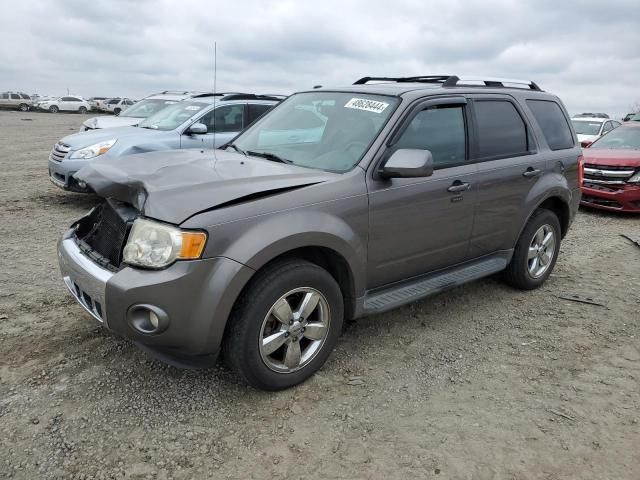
point(54, 109)
point(116, 112)
point(23, 107)
point(528, 273)
point(252, 321)
point(82, 110)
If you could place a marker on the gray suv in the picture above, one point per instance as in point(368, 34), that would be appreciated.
point(205, 121)
point(338, 203)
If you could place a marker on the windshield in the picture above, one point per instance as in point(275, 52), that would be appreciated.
point(622, 138)
point(173, 116)
point(324, 130)
point(146, 108)
point(586, 128)
point(636, 117)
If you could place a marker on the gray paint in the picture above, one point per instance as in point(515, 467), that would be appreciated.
point(385, 230)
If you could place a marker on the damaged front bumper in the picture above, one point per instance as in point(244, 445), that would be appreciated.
point(193, 300)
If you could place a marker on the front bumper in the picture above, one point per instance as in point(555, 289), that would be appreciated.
point(196, 296)
point(61, 175)
point(622, 198)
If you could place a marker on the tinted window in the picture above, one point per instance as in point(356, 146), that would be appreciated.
point(26, 97)
point(115, 101)
point(5, 96)
point(441, 130)
point(227, 119)
point(15, 97)
point(68, 99)
point(501, 130)
point(256, 111)
point(553, 124)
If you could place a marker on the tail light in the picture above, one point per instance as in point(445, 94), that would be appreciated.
point(580, 170)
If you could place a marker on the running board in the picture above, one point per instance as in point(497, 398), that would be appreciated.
point(401, 293)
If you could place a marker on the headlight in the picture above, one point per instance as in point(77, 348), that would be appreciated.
point(94, 150)
point(155, 245)
point(635, 178)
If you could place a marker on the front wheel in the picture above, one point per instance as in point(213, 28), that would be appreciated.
point(285, 325)
point(53, 109)
point(536, 252)
point(23, 107)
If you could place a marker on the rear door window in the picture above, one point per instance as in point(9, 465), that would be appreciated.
point(553, 123)
point(15, 97)
point(501, 131)
point(256, 111)
point(441, 130)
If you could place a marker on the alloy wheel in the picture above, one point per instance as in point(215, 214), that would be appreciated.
point(294, 330)
point(541, 251)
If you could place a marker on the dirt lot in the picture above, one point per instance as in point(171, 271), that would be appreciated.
point(480, 382)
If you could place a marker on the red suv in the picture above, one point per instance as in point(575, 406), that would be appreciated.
point(612, 170)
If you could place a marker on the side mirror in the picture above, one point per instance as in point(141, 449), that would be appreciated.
point(586, 143)
point(197, 129)
point(408, 163)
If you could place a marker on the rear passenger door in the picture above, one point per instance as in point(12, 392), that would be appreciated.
point(508, 166)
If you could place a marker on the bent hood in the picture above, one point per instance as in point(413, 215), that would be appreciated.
point(612, 157)
point(109, 121)
point(176, 185)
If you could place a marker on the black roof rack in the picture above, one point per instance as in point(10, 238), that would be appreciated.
point(252, 96)
point(455, 81)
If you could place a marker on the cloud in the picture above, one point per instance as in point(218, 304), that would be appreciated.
point(584, 51)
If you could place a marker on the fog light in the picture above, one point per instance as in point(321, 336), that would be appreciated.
point(153, 320)
point(148, 319)
point(82, 184)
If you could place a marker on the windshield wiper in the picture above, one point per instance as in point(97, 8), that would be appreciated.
point(236, 148)
point(270, 156)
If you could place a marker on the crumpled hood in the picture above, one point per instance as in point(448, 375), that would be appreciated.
point(612, 157)
point(84, 139)
point(172, 186)
point(109, 121)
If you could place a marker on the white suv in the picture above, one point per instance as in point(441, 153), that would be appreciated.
point(65, 104)
point(116, 105)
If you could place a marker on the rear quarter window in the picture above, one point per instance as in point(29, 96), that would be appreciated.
point(553, 123)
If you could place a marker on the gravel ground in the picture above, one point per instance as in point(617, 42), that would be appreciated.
point(479, 382)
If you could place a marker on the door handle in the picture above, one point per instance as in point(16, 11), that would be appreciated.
point(531, 172)
point(458, 186)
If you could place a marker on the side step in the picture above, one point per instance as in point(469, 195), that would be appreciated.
point(401, 293)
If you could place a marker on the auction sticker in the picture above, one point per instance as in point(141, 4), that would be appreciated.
point(192, 108)
point(367, 105)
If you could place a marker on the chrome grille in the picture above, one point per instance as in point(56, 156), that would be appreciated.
point(607, 175)
point(59, 151)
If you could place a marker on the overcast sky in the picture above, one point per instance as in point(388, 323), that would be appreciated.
point(587, 52)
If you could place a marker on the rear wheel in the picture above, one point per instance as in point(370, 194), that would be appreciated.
point(23, 107)
point(54, 109)
point(117, 112)
point(82, 110)
point(536, 252)
point(284, 326)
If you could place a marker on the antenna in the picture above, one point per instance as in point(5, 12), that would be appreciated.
point(215, 71)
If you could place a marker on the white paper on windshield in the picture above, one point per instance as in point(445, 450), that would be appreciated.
point(367, 105)
point(192, 107)
point(169, 102)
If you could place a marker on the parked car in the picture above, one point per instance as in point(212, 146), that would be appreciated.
point(116, 105)
point(590, 129)
point(628, 117)
point(15, 101)
point(96, 103)
point(264, 251)
point(65, 104)
point(141, 110)
point(187, 124)
point(591, 115)
point(612, 171)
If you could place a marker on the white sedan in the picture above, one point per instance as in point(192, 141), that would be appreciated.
point(65, 104)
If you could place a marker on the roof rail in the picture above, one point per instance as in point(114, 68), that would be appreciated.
point(251, 96)
point(420, 79)
point(177, 92)
point(455, 81)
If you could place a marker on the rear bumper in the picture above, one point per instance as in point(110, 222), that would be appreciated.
point(625, 198)
point(195, 297)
